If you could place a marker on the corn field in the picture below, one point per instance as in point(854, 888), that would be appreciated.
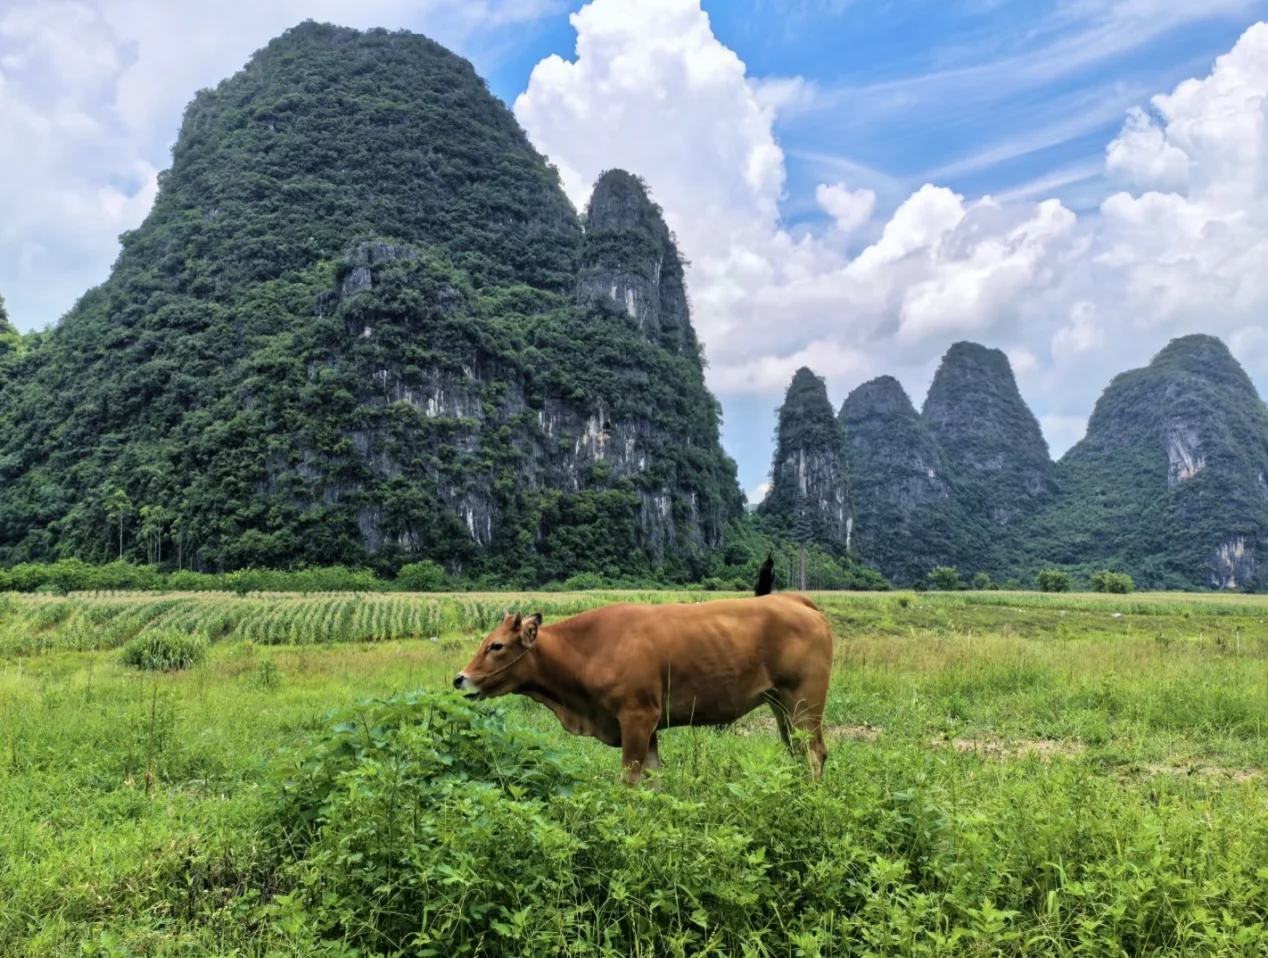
point(100, 621)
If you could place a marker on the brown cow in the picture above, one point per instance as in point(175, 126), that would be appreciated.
point(621, 672)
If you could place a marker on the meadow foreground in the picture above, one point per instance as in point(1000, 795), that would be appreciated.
point(1011, 774)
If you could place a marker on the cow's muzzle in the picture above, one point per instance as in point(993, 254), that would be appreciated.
point(464, 684)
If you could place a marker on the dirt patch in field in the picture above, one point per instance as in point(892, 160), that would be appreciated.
point(1237, 775)
point(753, 725)
point(765, 724)
point(991, 747)
point(861, 733)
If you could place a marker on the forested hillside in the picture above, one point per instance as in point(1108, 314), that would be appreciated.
point(809, 497)
point(1168, 485)
point(361, 325)
point(911, 517)
point(1169, 482)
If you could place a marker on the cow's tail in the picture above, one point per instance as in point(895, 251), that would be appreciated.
point(766, 576)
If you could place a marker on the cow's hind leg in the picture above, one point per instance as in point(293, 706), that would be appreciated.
point(802, 707)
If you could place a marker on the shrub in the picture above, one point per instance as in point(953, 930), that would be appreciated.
point(425, 576)
point(426, 825)
point(1054, 580)
point(982, 582)
point(268, 676)
point(944, 579)
point(1119, 583)
point(584, 582)
point(165, 650)
point(437, 739)
point(187, 581)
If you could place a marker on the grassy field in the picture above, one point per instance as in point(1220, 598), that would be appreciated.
point(1010, 774)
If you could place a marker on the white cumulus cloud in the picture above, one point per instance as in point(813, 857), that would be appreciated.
point(1183, 247)
point(91, 94)
point(1142, 156)
point(849, 208)
point(652, 90)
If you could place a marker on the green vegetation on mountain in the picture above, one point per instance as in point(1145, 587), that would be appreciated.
point(1168, 489)
point(630, 258)
point(9, 338)
point(1169, 482)
point(990, 439)
point(350, 331)
point(809, 496)
point(910, 516)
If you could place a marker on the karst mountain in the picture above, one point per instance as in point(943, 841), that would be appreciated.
point(1168, 484)
point(363, 324)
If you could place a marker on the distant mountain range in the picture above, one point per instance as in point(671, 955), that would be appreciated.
point(363, 324)
point(1168, 484)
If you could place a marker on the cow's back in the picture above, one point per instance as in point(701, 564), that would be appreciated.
point(719, 654)
point(777, 618)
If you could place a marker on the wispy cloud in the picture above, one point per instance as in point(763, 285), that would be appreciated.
point(1052, 181)
point(837, 166)
point(1061, 120)
point(1080, 35)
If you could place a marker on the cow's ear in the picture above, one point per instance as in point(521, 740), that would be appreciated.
point(528, 633)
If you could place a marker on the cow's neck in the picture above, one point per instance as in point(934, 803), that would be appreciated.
point(557, 677)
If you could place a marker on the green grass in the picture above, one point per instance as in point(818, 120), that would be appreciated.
point(1009, 774)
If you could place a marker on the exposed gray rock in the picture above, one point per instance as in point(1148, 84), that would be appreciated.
point(629, 258)
point(1233, 564)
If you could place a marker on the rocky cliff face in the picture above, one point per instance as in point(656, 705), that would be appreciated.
point(611, 440)
point(629, 258)
point(1170, 478)
point(992, 442)
point(909, 514)
point(810, 487)
point(362, 323)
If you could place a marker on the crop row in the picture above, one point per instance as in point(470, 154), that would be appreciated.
point(90, 622)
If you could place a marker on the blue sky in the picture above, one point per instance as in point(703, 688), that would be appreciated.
point(982, 96)
point(1015, 99)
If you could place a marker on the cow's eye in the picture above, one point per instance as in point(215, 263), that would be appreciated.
point(495, 647)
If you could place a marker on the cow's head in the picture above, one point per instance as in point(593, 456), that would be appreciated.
point(502, 663)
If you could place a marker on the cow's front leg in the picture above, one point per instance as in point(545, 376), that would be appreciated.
point(637, 730)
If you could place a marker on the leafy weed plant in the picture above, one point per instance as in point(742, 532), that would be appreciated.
point(165, 651)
